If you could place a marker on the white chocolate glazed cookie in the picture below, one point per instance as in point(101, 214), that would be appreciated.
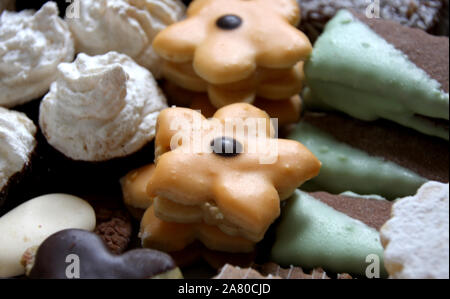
point(229, 171)
point(31, 223)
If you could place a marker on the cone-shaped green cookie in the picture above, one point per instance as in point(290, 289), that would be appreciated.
point(374, 69)
point(337, 233)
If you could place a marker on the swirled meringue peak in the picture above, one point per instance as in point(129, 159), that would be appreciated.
point(101, 107)
point(17, 143)
point(31, 47)
point(125, 26)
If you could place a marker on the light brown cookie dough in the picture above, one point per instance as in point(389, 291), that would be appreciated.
point(236, 50)
point(239, 192)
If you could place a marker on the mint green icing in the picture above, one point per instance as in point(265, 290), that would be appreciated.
point(345, 168)
point(312, 234)
point(354, 70)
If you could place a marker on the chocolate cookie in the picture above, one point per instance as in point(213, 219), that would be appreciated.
point(423, 14)
point(113, 222)
point(338, 233)
point(17, 149)
point(115, 229)
point(82, 254)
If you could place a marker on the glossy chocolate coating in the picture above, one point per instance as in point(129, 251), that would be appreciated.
point(96, 262)
point(226, 147)
point(229, 22)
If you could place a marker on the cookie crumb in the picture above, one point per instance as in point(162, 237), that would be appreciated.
point(115, 229)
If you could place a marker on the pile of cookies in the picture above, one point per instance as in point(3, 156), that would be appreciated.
point(215, 136)
point(204, 55)
point(200, 197)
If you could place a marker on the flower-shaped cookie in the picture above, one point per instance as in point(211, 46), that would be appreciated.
point(286, 111)
point(274, 84)
point(134, 190)
point(172, 237)
point(228, 171)
point(227, 41)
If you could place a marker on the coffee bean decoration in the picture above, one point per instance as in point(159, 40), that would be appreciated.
point(229, 22)
point(226, 147)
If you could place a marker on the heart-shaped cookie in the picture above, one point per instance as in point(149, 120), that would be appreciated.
point(75, 253)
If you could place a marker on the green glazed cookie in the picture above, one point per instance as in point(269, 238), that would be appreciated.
point(372, 68)
point(338, 233)
point(377, 157)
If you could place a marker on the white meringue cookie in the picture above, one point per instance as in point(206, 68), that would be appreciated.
point(125, 26)
point(416, 238)
point(17, 143)
point(101, 107)
point(31, 47)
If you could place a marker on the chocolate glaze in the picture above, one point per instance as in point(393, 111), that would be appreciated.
point(96, 262)
point(372, 212)
point(426, 51)
point(425, 155)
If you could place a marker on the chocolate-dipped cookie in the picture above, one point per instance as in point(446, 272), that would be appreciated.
point(31, 223)
point(377, 157)
point(372, 69)
point(91, 259)
point(338, 233)
point(17, 147)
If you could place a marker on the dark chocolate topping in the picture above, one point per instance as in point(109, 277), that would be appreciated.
point(372, 212)
point(229, 22)
point(426, 51)
point(95, 260)
point(226, 147)
point(425, 155)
